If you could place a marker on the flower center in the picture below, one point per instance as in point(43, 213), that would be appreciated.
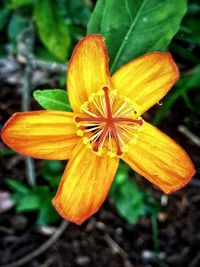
point(109, 122)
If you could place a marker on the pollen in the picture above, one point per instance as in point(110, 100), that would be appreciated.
point(109, 123)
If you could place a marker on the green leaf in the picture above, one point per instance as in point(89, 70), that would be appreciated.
point(4, 15)
point(35, 199)
point(44, 54)
point(17, 186)
point(32, 200)
point(19, 3)
point(183, 52)
point(7, 152)
point(188, 82)
point(134, 28)
point(47, 213)
point(75, 12)
point(52, 171)
point(16, 25)
point(27, 202)
point(53, 30)
point(121, 177)
point(55, 99)
point(129, 200)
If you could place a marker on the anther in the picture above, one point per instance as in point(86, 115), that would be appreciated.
point(79, 133)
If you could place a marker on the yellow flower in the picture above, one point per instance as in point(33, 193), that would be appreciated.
point(105, 126)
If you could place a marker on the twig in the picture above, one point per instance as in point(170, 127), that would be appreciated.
point(31, 177)
point(25, 44)
point(26, 93)
point(26, 56)
point(49, 66)
point(195, 262)
point(187, 133)
point(41, 249)
point(117, 249)
point(48, 263)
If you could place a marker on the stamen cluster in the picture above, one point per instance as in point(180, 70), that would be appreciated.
point(109, 122)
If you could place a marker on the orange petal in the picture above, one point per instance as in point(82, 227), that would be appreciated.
point(147, 79)
point(159, 159)
point(41, 134)
point(85, 184)
point(88, 70)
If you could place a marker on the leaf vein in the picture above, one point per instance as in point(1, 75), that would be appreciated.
point(127, 35)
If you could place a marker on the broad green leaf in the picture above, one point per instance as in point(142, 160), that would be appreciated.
point(55, 99)
point(4, 15)
point(188, 82)
point(19, 3)
point(133, 28)
point(52, 28)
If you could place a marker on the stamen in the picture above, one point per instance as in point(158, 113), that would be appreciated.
point(111, 124)
point(120, 109)
point(140, 122)
point(99, 119)
point(109, 113)
point(103, 106)
point(89, 112)
point(101, 138)
point(92, 129)
point(98, 108)
point(119, 152)
point(126, 112)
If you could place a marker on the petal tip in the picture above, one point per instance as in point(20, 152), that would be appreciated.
point(3, 133)
point(175, 67)
point(185, 182)
point(59, 209)
point(169, 56)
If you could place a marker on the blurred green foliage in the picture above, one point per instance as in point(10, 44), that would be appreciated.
point(59, 23)
point(38, 199)
point(185, 47)
point(189, 81)
point(130, 201)
point(52, 28)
